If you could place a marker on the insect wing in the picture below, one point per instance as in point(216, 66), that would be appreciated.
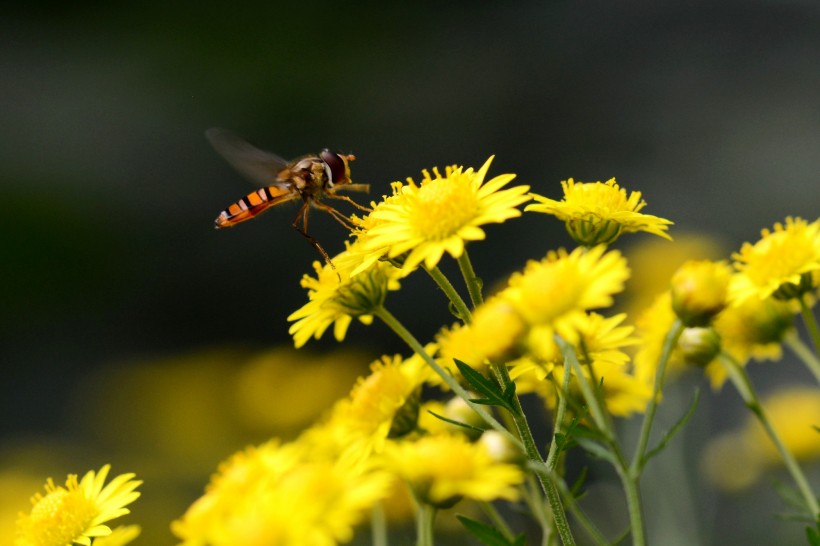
point(258, 166)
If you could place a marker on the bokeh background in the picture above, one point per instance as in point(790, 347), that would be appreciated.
point(134, 333)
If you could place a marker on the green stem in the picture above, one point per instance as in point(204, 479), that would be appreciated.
point(449, 290)
point(604, 425)
point(552, 455)
point(572, 505)
point(803, 353)
point(473, 282)
point(378, 525)
point(544, 474)
point(425, 518)
point(740, 379)
point(394, 324)
point(669, 344)
point(811, 324)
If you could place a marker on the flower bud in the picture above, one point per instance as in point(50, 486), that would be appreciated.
point(501, 449)
point(699, 290)
point(699, 346)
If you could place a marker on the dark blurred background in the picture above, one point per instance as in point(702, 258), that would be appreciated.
point(711, 109)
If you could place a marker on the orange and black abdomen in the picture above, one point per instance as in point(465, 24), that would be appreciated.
point(254, 204)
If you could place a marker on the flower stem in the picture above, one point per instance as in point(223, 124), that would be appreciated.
point(378, 525)
point(449, 290)
point(740, 379)
point(425, 518)
point(473, 282)
point(811, 324)
point(669, 344)
point(544, 474)
point(394, 324)
point(804, 354)
point(552, 455)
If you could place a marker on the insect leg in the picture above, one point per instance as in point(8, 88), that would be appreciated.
point(349, 200)
point(338, 216)
point(303, 216)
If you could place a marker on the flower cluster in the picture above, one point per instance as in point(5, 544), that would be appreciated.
point(446, 425)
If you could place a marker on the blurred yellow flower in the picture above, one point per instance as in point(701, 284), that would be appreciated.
point(565, 282)
point(443, 469)
point(597, 213)
point(754, 329)
point(653, 325)
point(282, 495)
point(492, 335)
point(383, 404)
point(438, 215)
point(780, 263)
point(76, 513)
point(738, 458)
point(336, 297)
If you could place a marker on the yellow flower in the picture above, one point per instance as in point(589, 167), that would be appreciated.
point(737, 459)
point(598, 213)
point(781, 263)
point(383, 404)
point(563, 283)
point(699, 290)
point(282, 495)
point(599, 340)
point(336, 297)
point(76, 513)
point(653, 325)
point(444, 468)
point(438, 215)
point(754, 329)
point(120, 536)
point(492, 335)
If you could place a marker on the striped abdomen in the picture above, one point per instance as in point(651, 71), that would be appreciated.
point(254, 204)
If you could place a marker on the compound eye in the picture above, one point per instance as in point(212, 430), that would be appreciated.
point(335, 166)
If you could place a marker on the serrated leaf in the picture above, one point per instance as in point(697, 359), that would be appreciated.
point(454, 422)
point(487, 534)
point(676, 428)
point(491, 392)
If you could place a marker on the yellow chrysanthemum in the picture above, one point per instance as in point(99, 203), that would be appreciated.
point(76, 513)
point(782, 260)
point(492, 335)
point(336, 297)
point(438, 215)
point(599, 212)
point(563, 283)
point(383, 404)
point(282, 495)
point(600, 341)
point(442, 469)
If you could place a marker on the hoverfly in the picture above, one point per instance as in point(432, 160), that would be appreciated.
point(309, 178)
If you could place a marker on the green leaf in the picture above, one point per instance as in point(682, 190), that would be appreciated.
point(487, 534)
point(491, 392)
point(598, 450)
point(676, 428)
point(454, 422)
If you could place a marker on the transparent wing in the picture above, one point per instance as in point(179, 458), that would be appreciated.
point(256, 165)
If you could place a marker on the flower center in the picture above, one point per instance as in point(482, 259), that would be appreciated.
point(60, 517)
point(442, 207)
